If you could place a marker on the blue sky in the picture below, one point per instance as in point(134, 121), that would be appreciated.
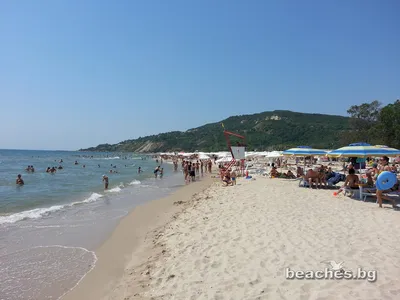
point(79, 73)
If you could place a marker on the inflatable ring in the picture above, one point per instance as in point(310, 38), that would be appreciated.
point(385, 181)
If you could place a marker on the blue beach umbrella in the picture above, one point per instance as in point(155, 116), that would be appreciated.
point(304, 151)
point(364, 150)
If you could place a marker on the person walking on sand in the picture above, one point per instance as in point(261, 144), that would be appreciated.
point(105, 180)
point(19, 180)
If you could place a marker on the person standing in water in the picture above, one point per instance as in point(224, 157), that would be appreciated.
point(156, 170)
point(161, 172)
point(105, 180)
point(19, 180)
point(139, 170)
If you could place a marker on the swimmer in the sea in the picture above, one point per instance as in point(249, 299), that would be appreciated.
point(139, 170)
point(105, 180)
point(19, 180)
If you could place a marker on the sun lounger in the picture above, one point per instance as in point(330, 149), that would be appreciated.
point(304, 183)
point(371, 194)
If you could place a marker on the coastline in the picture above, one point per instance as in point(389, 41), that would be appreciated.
point(131, 244)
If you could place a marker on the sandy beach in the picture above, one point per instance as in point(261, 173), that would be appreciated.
point(130, 245)
point(236, 243)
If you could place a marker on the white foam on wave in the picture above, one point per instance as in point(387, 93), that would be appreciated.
point(42, 212)
point(135, 182)
point(29, 214)
point(93, 197)
point(115, 157)
point(115, 190)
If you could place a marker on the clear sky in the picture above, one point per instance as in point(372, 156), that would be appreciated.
point(77, 73)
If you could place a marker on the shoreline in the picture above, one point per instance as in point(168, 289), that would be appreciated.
point(131, 244)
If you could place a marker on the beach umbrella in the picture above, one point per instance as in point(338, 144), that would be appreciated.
point(364, 150)
point(304, 151)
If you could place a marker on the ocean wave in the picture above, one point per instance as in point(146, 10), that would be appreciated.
point(92, 198)
point(43, 212)
point(30, 214)
point(135, 182)
point(115, 157)
point(115, 190)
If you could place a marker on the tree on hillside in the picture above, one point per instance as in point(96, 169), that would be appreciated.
point(363, 119)
point(389, 124)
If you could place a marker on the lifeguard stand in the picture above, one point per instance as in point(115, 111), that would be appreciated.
point(237, 152)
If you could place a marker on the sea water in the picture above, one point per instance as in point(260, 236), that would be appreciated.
point(50, 226)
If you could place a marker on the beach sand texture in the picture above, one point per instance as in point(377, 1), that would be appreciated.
point(236, 242)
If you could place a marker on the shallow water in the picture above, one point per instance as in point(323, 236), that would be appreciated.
point(47, 241)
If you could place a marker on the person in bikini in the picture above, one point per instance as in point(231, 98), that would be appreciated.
point(351, 182)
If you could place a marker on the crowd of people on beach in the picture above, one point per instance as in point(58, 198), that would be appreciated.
point(350, 174)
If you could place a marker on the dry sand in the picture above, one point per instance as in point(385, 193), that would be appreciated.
point(236, 242)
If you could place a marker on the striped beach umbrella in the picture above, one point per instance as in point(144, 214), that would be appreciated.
point(364, 150)
point(304, 151)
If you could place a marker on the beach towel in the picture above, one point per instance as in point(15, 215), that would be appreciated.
point(336, 178)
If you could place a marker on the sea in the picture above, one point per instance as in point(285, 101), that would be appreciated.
point(50, 226)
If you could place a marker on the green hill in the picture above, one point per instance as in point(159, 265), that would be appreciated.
point(264, 131)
